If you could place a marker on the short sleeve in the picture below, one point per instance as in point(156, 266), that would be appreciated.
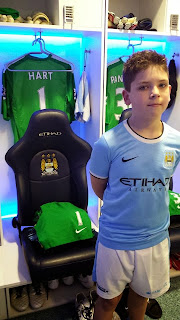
point(100, 159)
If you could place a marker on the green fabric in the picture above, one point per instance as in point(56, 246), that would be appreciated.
point(60, 223)
point(114, 99)
point(28, 91)
point(9, 11)
point(174, 203)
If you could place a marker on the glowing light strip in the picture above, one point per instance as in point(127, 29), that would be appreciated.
point(8, 209)
point(27, 38)
point(8, 216)
point(124, 43)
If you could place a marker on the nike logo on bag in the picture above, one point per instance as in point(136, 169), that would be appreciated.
point(78, 231)
point(125, 160)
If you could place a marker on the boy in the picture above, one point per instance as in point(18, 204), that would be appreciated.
point(131, 166)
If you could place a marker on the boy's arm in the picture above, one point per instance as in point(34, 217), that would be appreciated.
point(98, 185)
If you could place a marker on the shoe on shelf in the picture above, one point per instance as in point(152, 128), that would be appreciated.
point(19, 298)
point(68, 280)
point(86, 281)
point(53, 284)
point(37, 296)
point(83, 307)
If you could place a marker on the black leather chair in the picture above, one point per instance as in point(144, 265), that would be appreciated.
point(49, 136)
point(174, 228)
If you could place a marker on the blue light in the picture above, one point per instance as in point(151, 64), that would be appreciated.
point(93, 200)
point(122, 44)
point(9, 216)
point(66, 39)
point(117, 48)
point(64, 45)
point(8, 209)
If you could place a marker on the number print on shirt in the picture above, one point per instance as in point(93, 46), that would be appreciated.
point(176, 199)
point(120, 103)
point(80, 223)
point(42, 99)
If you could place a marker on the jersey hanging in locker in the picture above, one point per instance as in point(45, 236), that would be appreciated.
point(115, 103)
point(25, 92)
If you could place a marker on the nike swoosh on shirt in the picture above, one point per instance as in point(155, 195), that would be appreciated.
point(125, 160)
point(78, 231)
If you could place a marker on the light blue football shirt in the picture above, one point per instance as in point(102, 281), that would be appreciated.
point(135, 211)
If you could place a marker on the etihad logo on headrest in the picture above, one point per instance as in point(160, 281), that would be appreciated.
point(50, 133)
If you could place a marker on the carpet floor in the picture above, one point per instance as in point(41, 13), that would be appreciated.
point(169, 302)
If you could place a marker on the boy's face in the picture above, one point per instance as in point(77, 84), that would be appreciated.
point(150, 92)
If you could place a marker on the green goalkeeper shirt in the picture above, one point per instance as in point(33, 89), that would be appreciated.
point(39, 86)
point(114, 100)
point(60, 223)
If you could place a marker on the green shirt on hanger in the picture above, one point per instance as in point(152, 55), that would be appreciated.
point(114, 100)
point(25, 92)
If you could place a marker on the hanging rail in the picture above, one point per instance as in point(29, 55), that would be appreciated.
point(133, 45)
point(85, 57)
point(175, 55)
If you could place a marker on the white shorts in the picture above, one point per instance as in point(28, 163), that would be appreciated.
point(146, 271)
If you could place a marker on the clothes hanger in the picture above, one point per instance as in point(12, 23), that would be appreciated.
point(118, 59)
point(43, 50)
point(134, 45)
point(129, 45)
point(175, 55)
point(24, 55)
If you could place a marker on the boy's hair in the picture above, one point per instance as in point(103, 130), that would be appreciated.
point(140, 61)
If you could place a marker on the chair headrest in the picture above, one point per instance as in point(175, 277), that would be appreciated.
point(48, 123)
point(49, 129)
